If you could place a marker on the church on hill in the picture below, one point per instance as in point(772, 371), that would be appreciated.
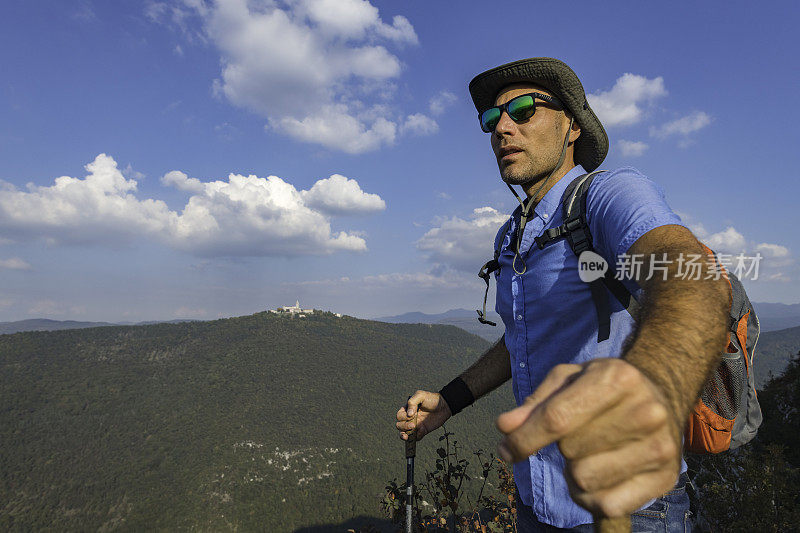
point(296, 310)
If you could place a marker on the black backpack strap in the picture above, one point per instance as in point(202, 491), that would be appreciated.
point(575, 229)
point(486, 270)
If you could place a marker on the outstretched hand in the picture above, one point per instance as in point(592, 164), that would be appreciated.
point(614, 427)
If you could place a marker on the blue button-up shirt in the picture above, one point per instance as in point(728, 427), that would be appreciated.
point(549, 314)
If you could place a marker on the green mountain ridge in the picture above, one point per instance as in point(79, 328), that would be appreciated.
point(260, 422)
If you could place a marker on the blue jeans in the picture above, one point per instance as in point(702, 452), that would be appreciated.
point(668, 514)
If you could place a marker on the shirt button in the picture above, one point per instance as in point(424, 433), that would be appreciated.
point(522, 365)
point(519, 317)
point(544, 216)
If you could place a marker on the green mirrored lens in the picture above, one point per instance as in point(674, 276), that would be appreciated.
point(489, 119)
point(521, 108)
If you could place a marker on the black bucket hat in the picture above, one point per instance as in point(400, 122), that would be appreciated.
point(555, 76)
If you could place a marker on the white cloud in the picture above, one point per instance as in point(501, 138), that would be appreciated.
point(778, 276)
point(335, 128)
point(130, 173)
point(340, 195)
point(772, 250)
point(301, 64)
point(243, 216)
point(419, 124)
point(621, 106)
point(14, 263)
point(730, 243)
point(632, 148)
point(182, 182)
point(439, 103)
point(683, 126)
point(463, 244)
point(727, 241)
point(354, 19)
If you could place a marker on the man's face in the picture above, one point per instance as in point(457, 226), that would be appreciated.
point(528, 151)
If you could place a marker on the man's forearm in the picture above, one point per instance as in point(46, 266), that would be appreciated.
point(681, 332)
point(490, 371)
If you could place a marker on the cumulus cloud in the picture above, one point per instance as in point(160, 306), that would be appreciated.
point(181, 181)
point(304, 64)
point(463, 244)
point(439, 103)
point(622, 105)
point(632, 148)
point(241, 216)
point(339, 195)
point(419, 124)
point(772, 250)
point(730, 244)
point(683, 126)
point(335, 128)
point(14, 263)
point(728, 241)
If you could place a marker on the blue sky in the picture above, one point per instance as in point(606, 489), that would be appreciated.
point(202, 159)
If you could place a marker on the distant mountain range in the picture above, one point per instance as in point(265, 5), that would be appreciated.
point(778, 342)
point(777, 316)
point(45, 324)
point(461, 318)
point(772, 317)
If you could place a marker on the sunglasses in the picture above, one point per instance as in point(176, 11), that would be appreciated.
point(520, 108)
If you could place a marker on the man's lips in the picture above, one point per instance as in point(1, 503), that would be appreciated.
point(509, 150)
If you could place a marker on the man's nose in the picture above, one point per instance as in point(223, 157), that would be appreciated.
point(505, 125)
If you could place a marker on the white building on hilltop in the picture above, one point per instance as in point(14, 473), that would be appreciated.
point(296, 310)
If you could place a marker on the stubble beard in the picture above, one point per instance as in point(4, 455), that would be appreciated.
point(528, 172)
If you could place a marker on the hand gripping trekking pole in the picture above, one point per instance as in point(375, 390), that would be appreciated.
point(411, 452)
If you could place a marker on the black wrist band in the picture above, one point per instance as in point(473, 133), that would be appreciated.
point(457, 395)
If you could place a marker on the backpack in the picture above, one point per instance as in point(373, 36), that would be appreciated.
point(727, 414)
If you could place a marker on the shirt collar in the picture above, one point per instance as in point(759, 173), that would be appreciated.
point(552, 199)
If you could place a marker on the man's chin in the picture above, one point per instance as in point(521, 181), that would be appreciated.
point(515, 179)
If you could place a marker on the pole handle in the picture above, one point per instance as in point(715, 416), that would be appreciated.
point(411, 443)
point(620, 524)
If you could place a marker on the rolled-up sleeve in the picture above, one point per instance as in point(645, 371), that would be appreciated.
point(622, 205)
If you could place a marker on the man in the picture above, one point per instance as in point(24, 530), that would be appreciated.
point(599, 423)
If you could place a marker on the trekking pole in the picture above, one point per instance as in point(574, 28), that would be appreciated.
point(621, 524)
point(411, 452)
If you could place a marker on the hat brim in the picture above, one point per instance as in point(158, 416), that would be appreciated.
point(591, 147)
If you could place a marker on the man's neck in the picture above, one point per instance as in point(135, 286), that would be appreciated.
point(532, 186)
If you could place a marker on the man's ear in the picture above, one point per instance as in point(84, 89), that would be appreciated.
point(575, 133)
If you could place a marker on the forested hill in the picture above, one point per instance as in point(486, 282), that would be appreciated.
point(260, 422)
